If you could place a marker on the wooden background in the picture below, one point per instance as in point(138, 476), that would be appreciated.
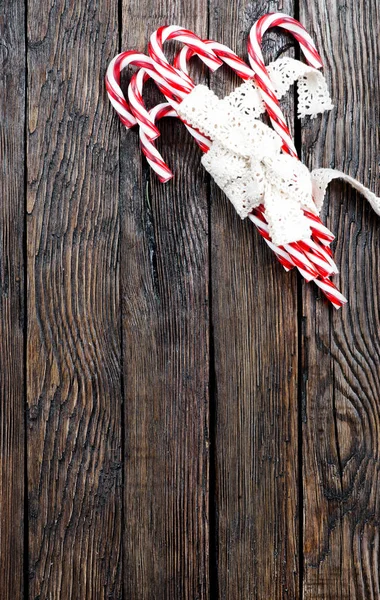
point(180, 419)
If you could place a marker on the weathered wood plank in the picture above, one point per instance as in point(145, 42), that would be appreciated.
point(12, 439)
point(341, 397)
point(73, 339)
point(254, 319)
point(164, 279)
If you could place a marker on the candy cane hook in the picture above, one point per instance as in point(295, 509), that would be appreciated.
point(135, 112)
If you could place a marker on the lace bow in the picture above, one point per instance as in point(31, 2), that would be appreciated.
point(252, 171)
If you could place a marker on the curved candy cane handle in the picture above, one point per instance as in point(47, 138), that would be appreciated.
point(262, 78)
point(289, 24)
point(321, 234)
point(148, 148)
point(135, 112)
point(178, 79)
point(223, 52)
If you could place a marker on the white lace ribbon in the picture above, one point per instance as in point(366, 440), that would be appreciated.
point(322, 177)
point(313, 94)
point(245, 158)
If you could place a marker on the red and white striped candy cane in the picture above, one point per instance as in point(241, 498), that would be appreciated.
point(178, 79)
point(139, 114)
point(294, 27)
point(267, 90)
point(149, 150)
point(322, 235)
point(262, 78)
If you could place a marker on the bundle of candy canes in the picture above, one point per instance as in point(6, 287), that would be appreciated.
point(254, 164)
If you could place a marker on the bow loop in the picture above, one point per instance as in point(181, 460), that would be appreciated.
point(291, 176)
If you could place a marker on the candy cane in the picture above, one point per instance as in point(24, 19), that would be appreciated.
point(262, 78)
point(149, 150)
point(135, 112)
point(290, 24)
point(264, 83)
point(188, 38)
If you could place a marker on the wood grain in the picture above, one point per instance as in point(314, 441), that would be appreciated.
point(73, 337)
point(165, 306)
point(12, 385)
point(341, 350)
point(176, 376)
point(254, 321)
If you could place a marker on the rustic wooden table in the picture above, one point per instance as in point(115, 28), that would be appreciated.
point(180, 419)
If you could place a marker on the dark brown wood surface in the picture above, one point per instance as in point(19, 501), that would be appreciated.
point(165, 328)
point(12, 311)
point(341, 390)
point(255, 405)
point(180, 418)
point(74, 392)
